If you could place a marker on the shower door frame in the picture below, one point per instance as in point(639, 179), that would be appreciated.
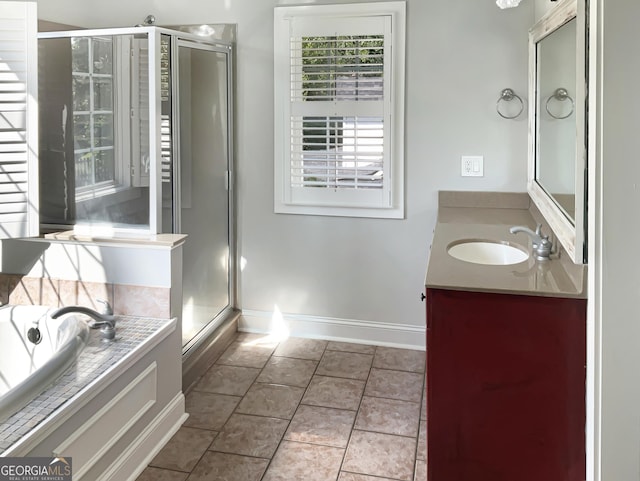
point(154, 34)
point(178, 39)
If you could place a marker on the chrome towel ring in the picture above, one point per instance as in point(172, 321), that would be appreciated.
point(507, 95)
point(561, 95)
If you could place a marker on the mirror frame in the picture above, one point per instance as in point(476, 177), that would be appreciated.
point(572, 235)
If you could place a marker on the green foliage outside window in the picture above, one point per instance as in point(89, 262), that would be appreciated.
point(326, 59)
point(93, 108)
point(335, 67)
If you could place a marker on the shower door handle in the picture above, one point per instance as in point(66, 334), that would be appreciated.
point(227, 180)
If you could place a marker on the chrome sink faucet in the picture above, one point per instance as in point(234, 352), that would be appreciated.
point(542, 246)
point(105, 320)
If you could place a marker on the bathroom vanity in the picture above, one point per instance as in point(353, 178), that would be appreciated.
point(506, 352)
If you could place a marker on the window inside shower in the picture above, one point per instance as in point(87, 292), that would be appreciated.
point(97, 142)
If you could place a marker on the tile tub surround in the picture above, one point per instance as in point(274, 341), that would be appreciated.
point(94, 361)
point(302, 410)
point(126, 300)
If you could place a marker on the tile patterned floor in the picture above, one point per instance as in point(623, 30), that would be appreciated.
point(305, 410)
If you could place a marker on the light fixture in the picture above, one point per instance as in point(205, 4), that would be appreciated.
point(507, 3)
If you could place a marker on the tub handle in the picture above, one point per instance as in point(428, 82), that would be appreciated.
point(106, 307)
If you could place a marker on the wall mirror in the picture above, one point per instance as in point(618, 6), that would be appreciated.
point(557, 131)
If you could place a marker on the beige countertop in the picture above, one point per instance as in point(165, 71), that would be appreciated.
point(558, 277)
point(146, 241)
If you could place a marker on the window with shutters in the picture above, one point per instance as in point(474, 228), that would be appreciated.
point(339, 89)
point(18, 120)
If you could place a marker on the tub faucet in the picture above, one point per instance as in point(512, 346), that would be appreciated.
point(542, 246)
point(105, 320)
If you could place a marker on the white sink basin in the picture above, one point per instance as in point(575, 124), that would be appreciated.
point(487, 252)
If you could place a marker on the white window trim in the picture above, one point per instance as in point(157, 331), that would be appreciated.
point(391, 207)
point(121, 129)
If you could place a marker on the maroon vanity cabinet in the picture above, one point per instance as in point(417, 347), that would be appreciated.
point(505, 387)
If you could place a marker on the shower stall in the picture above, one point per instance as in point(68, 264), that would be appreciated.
point(136, 139)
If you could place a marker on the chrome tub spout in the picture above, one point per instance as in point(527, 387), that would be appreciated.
point(105, 321)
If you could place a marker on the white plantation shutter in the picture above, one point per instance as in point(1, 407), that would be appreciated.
point(338, 114)
point(339, 109)
point(18, 120)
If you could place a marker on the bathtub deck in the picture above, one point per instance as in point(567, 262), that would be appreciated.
point(95, 361)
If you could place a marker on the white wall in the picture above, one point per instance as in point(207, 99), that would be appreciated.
point(614, 265)
point(140, 265)
point(543, 6)
point(461, 54)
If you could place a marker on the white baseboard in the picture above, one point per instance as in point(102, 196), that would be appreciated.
point(345, 330)
point(149, 443)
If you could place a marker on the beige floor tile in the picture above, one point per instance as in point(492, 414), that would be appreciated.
point(304, 462)
point(209, 410)
point(406, 386)
point(301, 348)
point(184, 449)
point(246, 354)
point(399, 359)
point(288, 371)
point(423, 409)
point(344, 476)
point(351, 347)
point(421, 452)
point(228, 467)
point(390, 416)
point(421, 471)
point(334, 392)
point(251, 338)
point(157, 474)
point(267, 341)
point(381, 436)
point(382, 455)
point(318, 425)
point(345, 364)
point(250, 436)
point(231, 380)
point(273, 400)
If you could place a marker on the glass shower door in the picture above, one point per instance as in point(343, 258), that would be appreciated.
point(203, 191)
